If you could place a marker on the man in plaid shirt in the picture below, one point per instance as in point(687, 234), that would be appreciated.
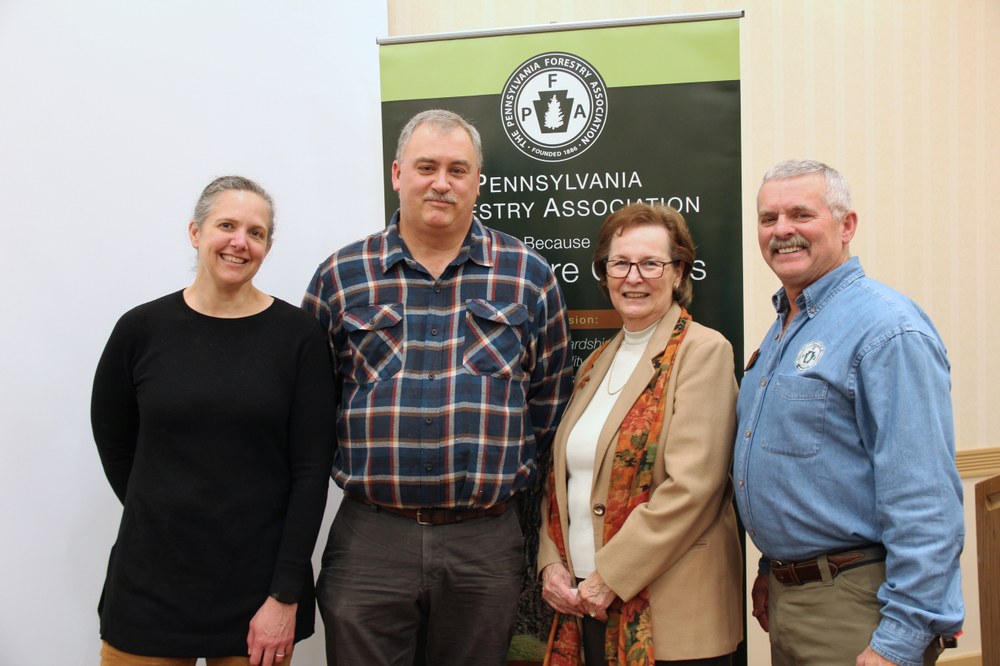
point(451, 344)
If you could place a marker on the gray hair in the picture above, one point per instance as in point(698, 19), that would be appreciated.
point(442, 121)
point(838, 195)
point(211, 193)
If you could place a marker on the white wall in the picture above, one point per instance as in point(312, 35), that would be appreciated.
point(113, 115)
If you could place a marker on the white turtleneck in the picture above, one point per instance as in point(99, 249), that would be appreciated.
point(582, 446)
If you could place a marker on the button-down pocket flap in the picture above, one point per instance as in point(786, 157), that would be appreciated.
point(375, 350)
point(792, 387)
point(802, 404)
point(511, 314)
point(493, 338)
point(373, 317)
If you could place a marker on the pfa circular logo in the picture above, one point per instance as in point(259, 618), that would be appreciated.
point(554, 106)
point(809, 355)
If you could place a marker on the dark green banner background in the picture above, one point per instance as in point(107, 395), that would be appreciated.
point(676, 144)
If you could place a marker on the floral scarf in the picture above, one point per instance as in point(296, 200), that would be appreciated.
point(629, 637)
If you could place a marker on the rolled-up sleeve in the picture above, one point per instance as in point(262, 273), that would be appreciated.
point(904, 412)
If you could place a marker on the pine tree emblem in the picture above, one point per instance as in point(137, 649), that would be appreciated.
point(553, 115)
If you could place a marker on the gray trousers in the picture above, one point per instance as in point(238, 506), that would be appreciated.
point(394, 592)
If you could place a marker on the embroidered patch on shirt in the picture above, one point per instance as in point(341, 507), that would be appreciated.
point(809, 355)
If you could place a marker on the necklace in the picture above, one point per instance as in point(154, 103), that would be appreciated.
point(611, 372)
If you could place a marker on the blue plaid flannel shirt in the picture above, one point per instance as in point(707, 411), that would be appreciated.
point(449, 387)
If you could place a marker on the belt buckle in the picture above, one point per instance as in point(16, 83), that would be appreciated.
point(420, 517)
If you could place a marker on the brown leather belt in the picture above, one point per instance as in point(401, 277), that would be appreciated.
point(807, 571)
point(434, 515)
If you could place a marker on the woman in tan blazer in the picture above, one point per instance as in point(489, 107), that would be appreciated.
point(639, 553)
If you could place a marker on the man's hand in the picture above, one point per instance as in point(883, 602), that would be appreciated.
point(272, 633)
point(758, 594)
point(558, 592)
point(872, 658)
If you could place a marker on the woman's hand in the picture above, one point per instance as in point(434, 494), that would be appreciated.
point(272, 633)
point(558, 591)
point(596, 596)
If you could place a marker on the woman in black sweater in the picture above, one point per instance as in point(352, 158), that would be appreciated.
point(212, 410)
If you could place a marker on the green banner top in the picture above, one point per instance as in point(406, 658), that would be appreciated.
point(656, 55)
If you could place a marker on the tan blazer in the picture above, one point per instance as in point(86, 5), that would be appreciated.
point(683, 543)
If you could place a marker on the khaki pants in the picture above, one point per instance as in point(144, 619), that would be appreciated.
point(112, 656)
point(828, 622)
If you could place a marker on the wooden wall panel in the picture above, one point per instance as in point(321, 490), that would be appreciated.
point(988, 531)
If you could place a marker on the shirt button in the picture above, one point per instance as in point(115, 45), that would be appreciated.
point(753, 532)
point(763, 381)
point(747, 434)
point(428, 467)
point(740, 482)
point(812, 311)
point(599, 509)
point(437, 289)
point(428, 420)
point(430, 375)
point(434, 331)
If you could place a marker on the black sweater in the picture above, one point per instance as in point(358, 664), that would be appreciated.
point(217, 435)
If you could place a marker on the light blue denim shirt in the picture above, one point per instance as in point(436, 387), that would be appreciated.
point(845, 438)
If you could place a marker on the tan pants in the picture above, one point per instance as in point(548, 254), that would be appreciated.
point(112, 656)
point(828, 622)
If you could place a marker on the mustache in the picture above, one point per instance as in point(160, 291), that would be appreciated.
point(435, 196)
point(781, 244)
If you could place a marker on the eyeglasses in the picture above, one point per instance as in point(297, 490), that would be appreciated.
point(648, 268)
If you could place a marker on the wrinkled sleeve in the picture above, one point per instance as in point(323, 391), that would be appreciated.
point(314, 301)
point(552, 371)
point(548, 551)
point(312, 442)
point(903, 406)
point(114, 408)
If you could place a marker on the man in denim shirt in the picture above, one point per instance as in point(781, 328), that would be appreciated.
point(845, 453)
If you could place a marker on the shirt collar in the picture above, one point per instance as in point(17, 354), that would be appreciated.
point(814, 297)
point(477, 246)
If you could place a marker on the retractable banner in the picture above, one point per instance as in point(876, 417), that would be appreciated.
point(580, 120)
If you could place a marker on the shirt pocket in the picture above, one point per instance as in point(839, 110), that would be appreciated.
point(375, 334)
point(493, 338)
point(796, 421)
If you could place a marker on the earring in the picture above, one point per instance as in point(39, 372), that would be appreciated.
point(677, 283)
